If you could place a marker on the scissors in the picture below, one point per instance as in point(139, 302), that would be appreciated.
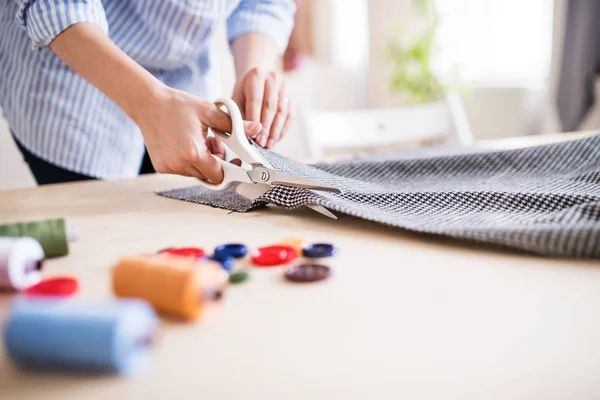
point(256, 175)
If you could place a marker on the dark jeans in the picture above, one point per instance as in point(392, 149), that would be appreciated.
point(46, 173)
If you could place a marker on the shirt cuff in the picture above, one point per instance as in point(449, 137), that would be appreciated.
point(44, 20)
point(274, 19)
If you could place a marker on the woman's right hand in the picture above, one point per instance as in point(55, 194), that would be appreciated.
point(175, 125)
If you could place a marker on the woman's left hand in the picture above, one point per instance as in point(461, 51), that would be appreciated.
point(262, 98)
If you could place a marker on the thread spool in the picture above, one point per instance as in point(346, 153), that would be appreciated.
point(174, 285)
point(52, 234)
point(21, 261)
point(113, 336)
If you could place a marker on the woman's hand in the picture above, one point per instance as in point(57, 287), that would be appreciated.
point(175, 126)
point(262, 98)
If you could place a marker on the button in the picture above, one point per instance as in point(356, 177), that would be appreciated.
point(307, 273)
point(297, 243)
point(273, 255)
point(226, 261)
point(194, 252)
point(235, 250)
point(319, 250)
point(238, 277)
point(59, 286)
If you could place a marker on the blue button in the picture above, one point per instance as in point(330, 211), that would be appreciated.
point(319, 250)
point(234, 250)
point(226, 262)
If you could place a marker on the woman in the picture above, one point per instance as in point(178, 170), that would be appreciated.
point(108, 89)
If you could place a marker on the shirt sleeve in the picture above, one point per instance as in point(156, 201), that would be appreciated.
point(273, 18)
point(43, 20)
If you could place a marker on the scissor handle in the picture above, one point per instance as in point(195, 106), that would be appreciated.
point(237, 140)
point(231, 174)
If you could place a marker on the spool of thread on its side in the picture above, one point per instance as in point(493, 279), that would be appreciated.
point(21, 261)
point(173, 285)
point(111, 336)
point(50, 233)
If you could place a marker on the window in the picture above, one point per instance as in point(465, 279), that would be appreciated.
point(491, 41)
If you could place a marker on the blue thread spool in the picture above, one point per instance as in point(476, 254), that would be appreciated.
point(105, 337)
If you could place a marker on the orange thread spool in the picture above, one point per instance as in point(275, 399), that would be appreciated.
point(173, 285)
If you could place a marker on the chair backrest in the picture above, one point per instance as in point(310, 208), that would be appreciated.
point(362, 129)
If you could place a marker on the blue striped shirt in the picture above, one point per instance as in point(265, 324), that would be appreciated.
point(61, 118)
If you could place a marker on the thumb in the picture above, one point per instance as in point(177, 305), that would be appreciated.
point(219, 120)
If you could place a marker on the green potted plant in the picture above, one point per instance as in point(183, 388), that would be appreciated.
point(411, 55)
point(413, 76)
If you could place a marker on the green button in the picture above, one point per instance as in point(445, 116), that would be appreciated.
point(238, 277)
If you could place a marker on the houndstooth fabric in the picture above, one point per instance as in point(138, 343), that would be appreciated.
point(543, 200)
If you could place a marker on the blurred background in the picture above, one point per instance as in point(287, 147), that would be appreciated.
point(366, 75)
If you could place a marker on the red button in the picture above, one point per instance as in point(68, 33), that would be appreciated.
point(194, 252)
point(273, 255)
point(63, 286)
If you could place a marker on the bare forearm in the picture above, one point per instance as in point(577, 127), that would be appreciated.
point(91, 54)
point(253, 50)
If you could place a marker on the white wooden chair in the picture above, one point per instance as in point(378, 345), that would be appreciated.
point(352, 131)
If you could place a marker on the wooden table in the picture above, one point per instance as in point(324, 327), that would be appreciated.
point(405, 316)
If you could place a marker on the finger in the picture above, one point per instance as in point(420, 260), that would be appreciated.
point(253, 92)
point(252, 128)
point(269, 107)
point(288, 122)
point(176, 166)
point(220, 121)
point(187, 172)
point(278, 123)
point(207, 165)
point(197, 174)
point(236, 161)
point(216, 147)
point(190, 171)
point(238, 98)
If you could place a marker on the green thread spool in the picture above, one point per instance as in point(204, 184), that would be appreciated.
point(51, 233)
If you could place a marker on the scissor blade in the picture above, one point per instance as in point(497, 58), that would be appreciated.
point(308, 185)
point(274, 177)
point(322, 210)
